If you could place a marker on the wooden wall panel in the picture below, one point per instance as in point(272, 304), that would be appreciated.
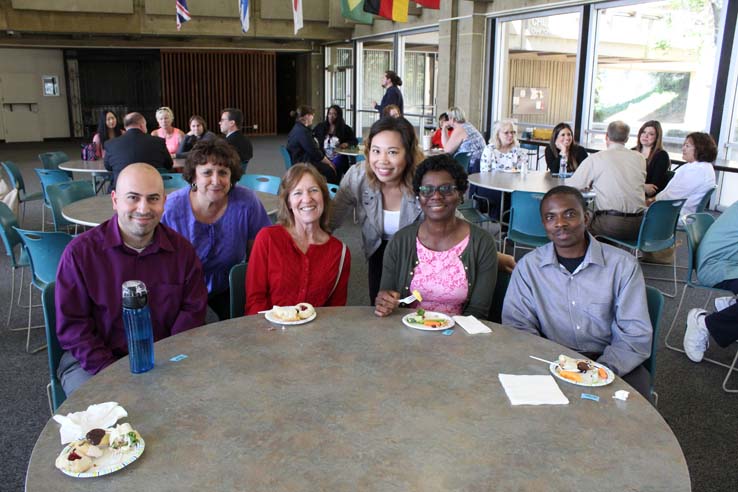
point(205, 82)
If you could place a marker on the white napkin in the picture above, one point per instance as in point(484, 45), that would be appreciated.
point(532, 390)
point(101, 416)
point(472, 325)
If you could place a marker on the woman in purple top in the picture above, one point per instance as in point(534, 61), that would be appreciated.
point(218, 217)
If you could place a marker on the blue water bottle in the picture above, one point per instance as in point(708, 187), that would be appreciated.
point(137, 323)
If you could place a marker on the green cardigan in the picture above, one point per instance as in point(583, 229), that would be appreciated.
point(479, 259)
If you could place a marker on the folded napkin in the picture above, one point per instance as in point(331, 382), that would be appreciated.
point(472, 325)
point(532, 390)
point(101, 416)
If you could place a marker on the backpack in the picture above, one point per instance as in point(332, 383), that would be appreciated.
point(88, 152)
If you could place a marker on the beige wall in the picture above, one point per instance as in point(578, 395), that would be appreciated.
point(52, 110)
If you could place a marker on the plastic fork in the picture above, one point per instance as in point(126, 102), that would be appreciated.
point(415, 296)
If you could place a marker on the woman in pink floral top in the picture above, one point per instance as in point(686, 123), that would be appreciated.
point(451, 262)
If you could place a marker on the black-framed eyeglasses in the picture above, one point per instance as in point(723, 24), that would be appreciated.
point(444, 189)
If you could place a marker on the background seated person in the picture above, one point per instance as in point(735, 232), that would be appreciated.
point(717, 266)
point(297, 260)
point(220, 219)
point(392, 111)
point(108, 127)
point(452, 263)
point(651, 146)
point(198, 132)
point(562, 144)
point(436, 142)
point(694, 178)
point(503, 152)
point(171, 135)
point(457, 135)
point(336, 129)
point(303, 147)
point(583, 294)
point(133, 245)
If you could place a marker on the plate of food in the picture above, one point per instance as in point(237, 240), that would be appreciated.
point(511, 170)
point(101, 452)
point(291, 315)
point(582, 372)
point(428, 320)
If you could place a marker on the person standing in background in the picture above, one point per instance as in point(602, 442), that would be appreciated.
point(392, 95)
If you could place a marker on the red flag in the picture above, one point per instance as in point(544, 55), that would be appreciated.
point(429, 4)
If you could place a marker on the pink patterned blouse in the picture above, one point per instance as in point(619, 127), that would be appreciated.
point(441, 279)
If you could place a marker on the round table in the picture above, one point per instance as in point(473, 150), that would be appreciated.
point(98, 166)
point(355, 402)
point(535, 181)
point(95, 210)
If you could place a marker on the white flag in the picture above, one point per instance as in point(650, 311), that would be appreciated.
point(297, 14)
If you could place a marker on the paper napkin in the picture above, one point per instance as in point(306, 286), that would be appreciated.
point(532, 390)
point(472, 325)
point(101, 416)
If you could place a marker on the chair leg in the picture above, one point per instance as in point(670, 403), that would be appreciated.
point(673, 322)
point(12, 296)
point(48, 397)
point(29, 328)
point(730, 373)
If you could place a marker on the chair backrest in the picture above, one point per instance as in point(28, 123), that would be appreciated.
point(54, 350)
point(332, 190)
point(49, 177)
point(11, 239)
point(51, 160)
point(498, 298)
point(463, 158)
point(261, 182)
point(174, 180)
point(62, 194)
point(658, 228)
point(44, 251)
point(655, 301)
point(14, 175)
point(237, 282)
point(525, 213)
point(285, 156)
point(705, 201)
point(695, 225)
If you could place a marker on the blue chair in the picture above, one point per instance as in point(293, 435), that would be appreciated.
point(261, 182)
point(658, 231)
point(655, 301)
point(332, 190)
point(62, 194)
point(464, 159)
point(44, 250)
point(11, 239)
point(16, 181)
point(54, 391)
point(237, 283)
point(174, 181)
point(286, 157)
point(49, 177)
point(696, 225)
point(51, 160)
point(526, 226)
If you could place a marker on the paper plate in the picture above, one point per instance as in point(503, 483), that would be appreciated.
point(554, 368)
point(273, 319)
point(110, 462)
point(432, 315)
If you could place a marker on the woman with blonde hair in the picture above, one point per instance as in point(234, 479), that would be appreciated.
point(458, 135)
point(298, 260)
point(503, 152)
point(171, 135)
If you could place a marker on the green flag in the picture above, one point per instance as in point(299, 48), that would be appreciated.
point(354, 10)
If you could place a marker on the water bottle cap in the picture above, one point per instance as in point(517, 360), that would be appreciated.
point(135, 295)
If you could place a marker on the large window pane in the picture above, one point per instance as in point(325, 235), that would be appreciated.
point(339, 74)
point(654, 61)
point(376, 58)
point(419, 76)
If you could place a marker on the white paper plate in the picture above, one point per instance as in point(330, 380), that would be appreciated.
point(432, 315)
point(273, 319)
point(554, 368)
point(110, 462)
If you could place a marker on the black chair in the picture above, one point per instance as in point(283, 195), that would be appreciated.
point(498, 298)
point(237, 282)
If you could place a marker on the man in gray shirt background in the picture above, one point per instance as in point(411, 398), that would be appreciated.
point(583, 294)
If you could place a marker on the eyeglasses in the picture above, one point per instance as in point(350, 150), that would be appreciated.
point(510, 132)
point(444, 189)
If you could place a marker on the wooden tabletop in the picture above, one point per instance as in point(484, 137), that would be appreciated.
point(350, 401)
point(97, 209)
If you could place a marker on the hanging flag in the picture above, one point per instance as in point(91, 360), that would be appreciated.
point(243, 9)
point(429, 4)
point(183, 15)
point(297, 14)
point(395, 10)
point(354, 10)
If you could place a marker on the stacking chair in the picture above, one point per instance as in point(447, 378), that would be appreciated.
point(44, 250)
point(463, 158)
point(332, 190)
point(49, 177)
point(16, 181)
point(54, 391)
point(658, 231)
point(498, 297)
point(655, 300)
point(525, 226)
point(11, 239)
point(174, 181)
point(51, 160)
point(62, 194)
point(696, 225)
point(237, 282)
point(286, 157)
point(261, 182)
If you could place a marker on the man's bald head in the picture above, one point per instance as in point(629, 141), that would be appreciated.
point(134, 120)
point(138, 199)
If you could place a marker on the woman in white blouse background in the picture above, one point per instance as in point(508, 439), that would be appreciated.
point(503, 152)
